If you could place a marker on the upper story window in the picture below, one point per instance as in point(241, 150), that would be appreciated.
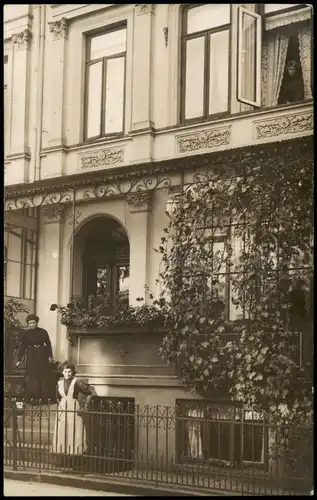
point(274, 54)
point(206, 51)
point(5, 97)
point(105, 83)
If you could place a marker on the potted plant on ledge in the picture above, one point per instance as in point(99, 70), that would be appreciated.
point(98, 315)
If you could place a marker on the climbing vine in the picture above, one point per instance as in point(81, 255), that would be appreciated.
point(237, 257)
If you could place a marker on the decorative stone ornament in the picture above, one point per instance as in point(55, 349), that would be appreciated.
point(204, 139)
point(101, 158)
point(52, 213)
point(139, 202)
point(284, 125)
point(165, 31)
point(22, 40)
point(59, 28)
point(144, 8)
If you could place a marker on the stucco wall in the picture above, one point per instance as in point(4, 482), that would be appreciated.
point(152, 130)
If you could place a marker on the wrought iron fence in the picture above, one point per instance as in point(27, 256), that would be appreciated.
point(196, 447)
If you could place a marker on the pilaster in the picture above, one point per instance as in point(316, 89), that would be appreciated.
point(142, 84)
point(140, 207)
point(50, 262)
point(59, 34)
point(21, 42)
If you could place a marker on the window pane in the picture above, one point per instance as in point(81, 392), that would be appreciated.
point(103, 279)
point(220, 256)
point(123, 285)
point(248, 57)
point(114, 95)
point(278, 6)
point(123, 279)
point(235, 311)
point(13, 279)
point(94, 99)
point(108, 44)
point(15, 245)
point(219, 72)
point(207, 17)
point(30, 249)
point(28, 282)
point(5, 118)
point(194, 80)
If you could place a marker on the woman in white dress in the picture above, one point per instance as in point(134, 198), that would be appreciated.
point(70, 433)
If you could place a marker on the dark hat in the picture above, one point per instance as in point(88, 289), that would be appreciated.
point(32, 317)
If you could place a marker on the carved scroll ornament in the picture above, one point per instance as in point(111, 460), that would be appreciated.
point(102, 158)
point(284, 125)
point(205, 139)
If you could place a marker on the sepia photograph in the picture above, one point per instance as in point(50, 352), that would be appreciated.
point(158, 250)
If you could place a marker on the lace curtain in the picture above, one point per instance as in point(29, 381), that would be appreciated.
point(194, 435)
point(304, 41)
point(273, 64)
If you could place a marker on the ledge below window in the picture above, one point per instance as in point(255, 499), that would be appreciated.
point(122, 330)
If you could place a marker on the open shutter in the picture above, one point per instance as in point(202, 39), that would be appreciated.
point(249, 57)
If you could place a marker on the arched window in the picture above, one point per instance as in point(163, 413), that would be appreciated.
point(105, 256)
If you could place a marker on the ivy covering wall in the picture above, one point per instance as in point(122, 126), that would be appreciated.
point(241, 312)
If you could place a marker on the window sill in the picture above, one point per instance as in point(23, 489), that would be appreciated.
point(120, 330)
point(208, 119)
point(227, 118)
point(100, 142)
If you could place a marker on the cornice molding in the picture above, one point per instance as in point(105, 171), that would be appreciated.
point(129, 179)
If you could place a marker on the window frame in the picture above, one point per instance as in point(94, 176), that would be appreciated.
point(112, 261)
point(257, 102)
point(27, 279)
point(115, 27)
point(285, 10)
point(5, 105)
point(206, 33)
point(236, 424)
point(288, 10)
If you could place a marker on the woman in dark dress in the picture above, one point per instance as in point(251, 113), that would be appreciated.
point(37, 349)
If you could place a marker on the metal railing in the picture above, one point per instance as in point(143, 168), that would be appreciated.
point(196, 448)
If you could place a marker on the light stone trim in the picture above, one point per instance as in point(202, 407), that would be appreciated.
point(52, 214)
point(144, 8)
point(139, 202)
point(283, 125)
point(101, 158)
point(205, 139)
point(22, 40)
point(59, 28)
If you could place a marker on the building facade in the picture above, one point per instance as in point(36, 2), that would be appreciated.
point(109, 109)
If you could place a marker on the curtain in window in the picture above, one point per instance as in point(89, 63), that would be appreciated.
point(194, 434)
point(274, 58)
point(304, 41)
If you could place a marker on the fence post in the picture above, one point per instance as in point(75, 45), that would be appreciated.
point(14, 435)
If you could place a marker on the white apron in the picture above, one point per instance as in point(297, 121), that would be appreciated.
point(69, 433)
